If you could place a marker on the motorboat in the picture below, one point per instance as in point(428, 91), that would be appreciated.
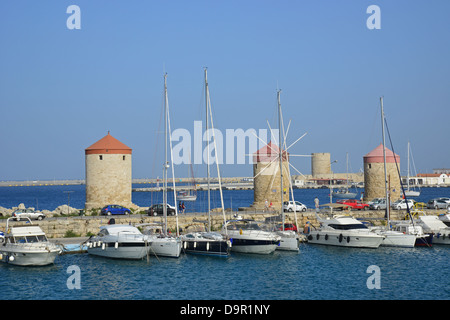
point(290, 239)
point(207, 243)
point(344, 231)
point(27, 245)
point(119, 241)
point(394, 238)
point(248, 237)
point(445, 218)
point(433, 225)
point(408, 227)
point(162, 245)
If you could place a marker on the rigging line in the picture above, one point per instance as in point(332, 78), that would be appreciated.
point(398, 171)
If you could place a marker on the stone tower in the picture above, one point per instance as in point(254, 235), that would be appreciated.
point(267, 181)
point(320, 164)
point(108, 173)
point(374, 186)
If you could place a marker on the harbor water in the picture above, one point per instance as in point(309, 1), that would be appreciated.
point(314, 273)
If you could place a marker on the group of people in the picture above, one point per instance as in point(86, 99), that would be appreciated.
point(181, 207)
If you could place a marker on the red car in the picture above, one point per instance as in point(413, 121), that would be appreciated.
point(288, 226)
point(354, 204)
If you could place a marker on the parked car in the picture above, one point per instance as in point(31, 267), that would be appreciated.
point(157, 210)
point(289, 206)
point(437, 204)
point(376, 200)
point(114, 209)
point(402, 204)
point(287, 226)
point(354, 204)
point(380, 204)
point(27, 213)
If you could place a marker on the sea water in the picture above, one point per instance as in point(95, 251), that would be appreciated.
point(314, 273)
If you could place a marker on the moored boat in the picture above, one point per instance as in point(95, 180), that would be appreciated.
point(27, 245)
point(119, 242)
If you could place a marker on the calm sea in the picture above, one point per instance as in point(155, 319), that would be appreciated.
point(316, 272)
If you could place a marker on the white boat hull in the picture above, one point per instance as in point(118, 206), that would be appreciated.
point(345, 239)
point(38, 256)
point(114, 250)
point(165, 247)
point(289, 241)
point(397, 239)
point(412, 193)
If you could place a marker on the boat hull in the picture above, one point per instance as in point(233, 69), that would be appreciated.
point(343, 239)
point(120, 250)
point(165, 247)
point(424, 241)
point(207, 247)
point(29, 258)
point(397, 239)
point(289, 241)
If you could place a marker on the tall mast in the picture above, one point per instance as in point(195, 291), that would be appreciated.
point(384, 159)
point(165, 155)
point(280, 134)
point(207, 147)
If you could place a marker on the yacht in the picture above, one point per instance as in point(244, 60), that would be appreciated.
point(27, 245)
point(120, 242)
point(344, 231)
point(208, 243)
point(248, 237)
point(394, 238)
point(433, 225)
point(407, 227)
point(163, 245)
point(290, 239)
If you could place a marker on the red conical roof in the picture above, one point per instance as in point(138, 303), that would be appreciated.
point(108, 144)
point(376, 156)
point(268, 153)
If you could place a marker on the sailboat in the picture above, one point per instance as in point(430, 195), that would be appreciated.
point(344, 193)
point(409, 192)
point(191, 194)
point(391, 238)
point(164, 244)
point(208, 242)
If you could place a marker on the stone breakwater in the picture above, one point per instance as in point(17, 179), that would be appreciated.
point(82, 226)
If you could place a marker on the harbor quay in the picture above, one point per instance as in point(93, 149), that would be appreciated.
point(85, 226)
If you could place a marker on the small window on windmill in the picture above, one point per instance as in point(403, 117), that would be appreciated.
point(123, 158)
point(100, 157)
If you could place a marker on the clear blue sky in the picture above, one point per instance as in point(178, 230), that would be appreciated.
point(61, 90)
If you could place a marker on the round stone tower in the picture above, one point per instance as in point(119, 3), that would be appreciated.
point(320, 164)
point(108, 173)
point(267, 181)
point(374, 186)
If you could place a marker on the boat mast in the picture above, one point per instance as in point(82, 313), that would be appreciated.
point(207, 148)
point(280, 134)
point(165, 156)
point(384, 160)
point(407, 178)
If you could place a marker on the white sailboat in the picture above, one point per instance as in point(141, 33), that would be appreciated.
point(164, 244)
point(391, 238)
point(410, 192)
point(208, 242)
point(344, 193)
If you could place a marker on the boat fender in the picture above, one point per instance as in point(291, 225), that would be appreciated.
point(195, 244)
point(317, 236)
point(207, 246)
point(240, 231)
point(10, 258)
point(310, 237)
point(326, 237)
point(116, 245)
point(348, 239)
point(103, 246)
point(341, 237)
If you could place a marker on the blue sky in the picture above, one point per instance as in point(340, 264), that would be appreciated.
point(61, 90)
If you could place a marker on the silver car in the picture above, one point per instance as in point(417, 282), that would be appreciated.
point(437, 204)
point(27, 213)
point(379, 204)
